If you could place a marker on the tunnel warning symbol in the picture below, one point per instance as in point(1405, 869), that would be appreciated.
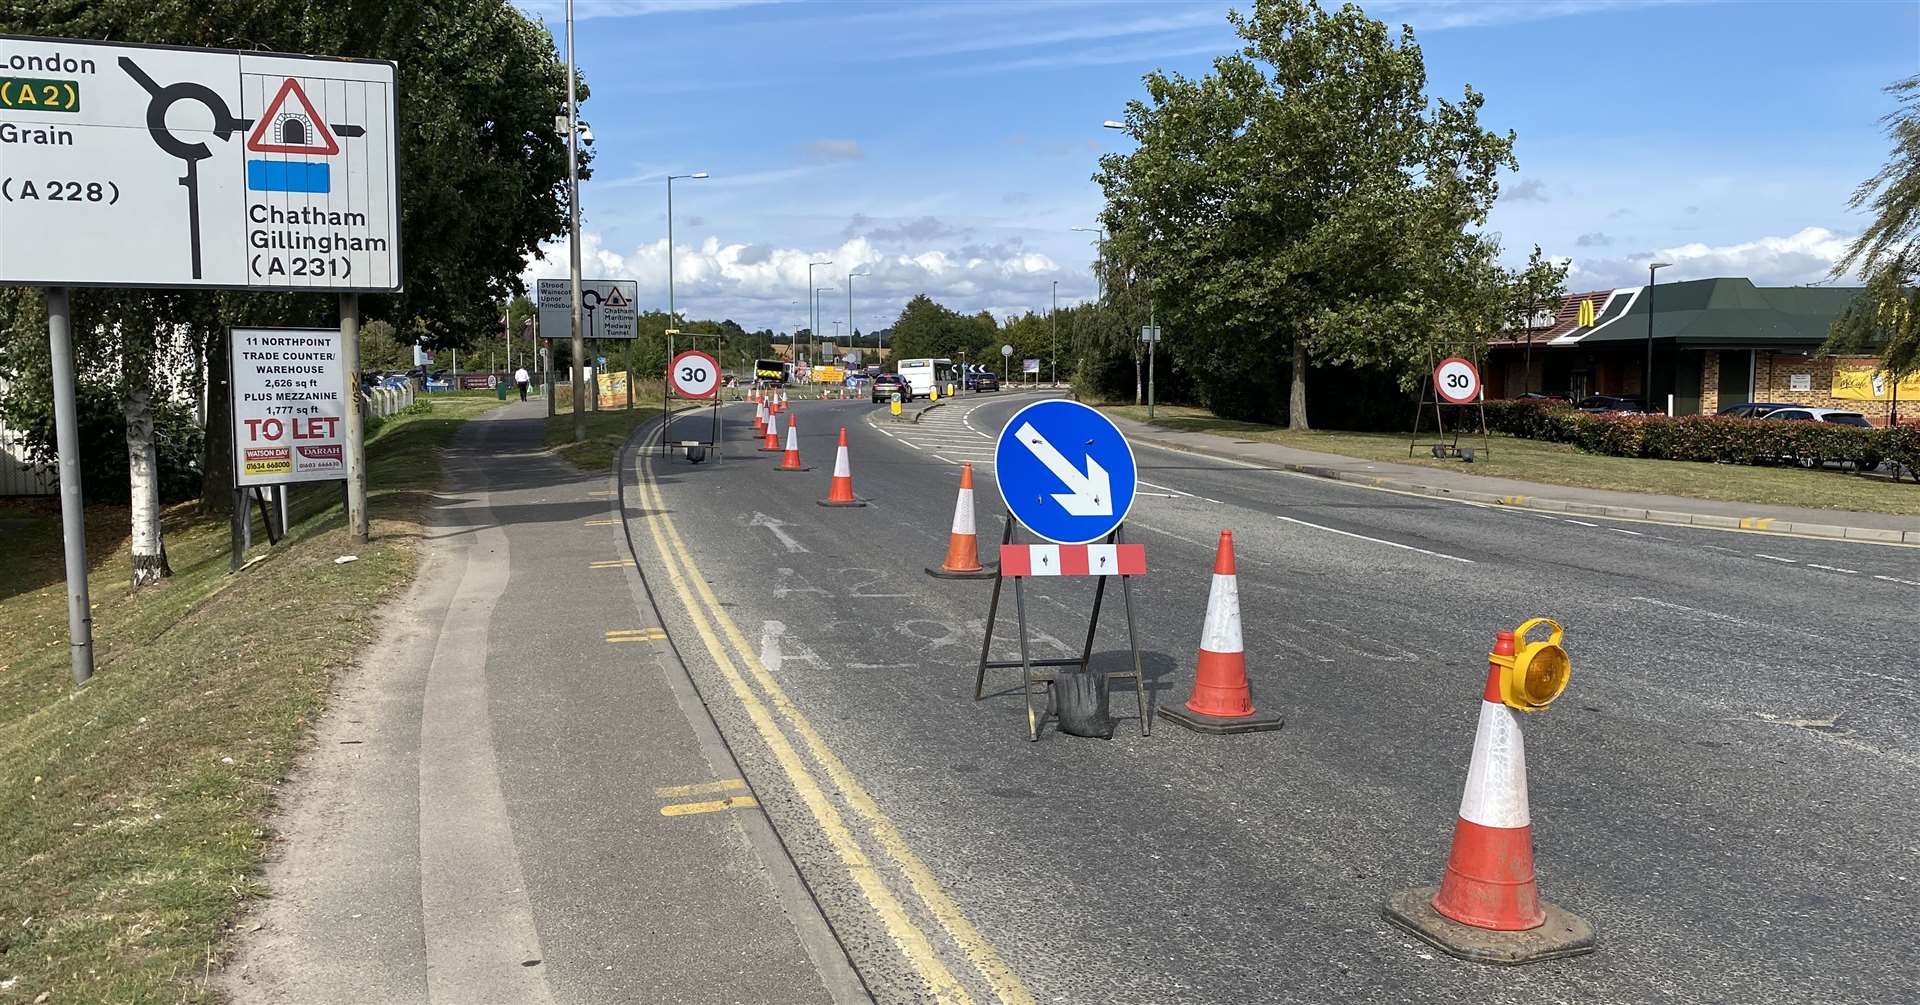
point(284, 130)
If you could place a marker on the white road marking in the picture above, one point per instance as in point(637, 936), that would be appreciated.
point(1376, 540)
point(1776, 558)
point(1896, 579)
point(1168, 488)
point(1171, 534)
point(1715, 547)
point(1833, 568)
point(1727, 618)
point(1216, 502)
point(1620, 530)
point(1582, 523)
point(1157, 495)
point(778, 529)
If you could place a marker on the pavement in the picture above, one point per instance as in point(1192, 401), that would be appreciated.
point(1727, 790)
point(1461, 484)
point(520, 796)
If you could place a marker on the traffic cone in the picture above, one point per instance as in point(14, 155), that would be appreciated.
point(760, 417)
point(1488, 907)
point(790, 461)
point(842, 492)
point(772, 443)
point(963, 545)
point(1221, 701)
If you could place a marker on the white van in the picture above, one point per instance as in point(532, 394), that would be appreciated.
point(921, 376)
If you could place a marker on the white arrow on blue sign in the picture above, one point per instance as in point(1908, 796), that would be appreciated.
point(1065, 472)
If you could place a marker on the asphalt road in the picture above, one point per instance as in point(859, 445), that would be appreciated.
point(1727, 790)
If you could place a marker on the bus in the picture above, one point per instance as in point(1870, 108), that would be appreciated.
point(921, 376)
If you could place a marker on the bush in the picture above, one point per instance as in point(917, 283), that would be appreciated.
point(102, 423)
point(1710, 438)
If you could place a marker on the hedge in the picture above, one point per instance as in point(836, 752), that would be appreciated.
point(1712, 438)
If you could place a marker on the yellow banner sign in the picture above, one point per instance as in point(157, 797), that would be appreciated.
point(613, 389)
point(1861, 380)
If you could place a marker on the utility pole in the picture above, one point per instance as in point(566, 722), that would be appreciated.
point(1152, 344)
point(356, 447)
point(573, 236)
point(1054, 316)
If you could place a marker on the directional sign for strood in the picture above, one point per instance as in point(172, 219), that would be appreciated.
point(1065, 472)
point(151, 166)
point(606, 308)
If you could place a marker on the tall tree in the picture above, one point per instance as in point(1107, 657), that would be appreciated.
point(1885, 318)
point(1304, 202)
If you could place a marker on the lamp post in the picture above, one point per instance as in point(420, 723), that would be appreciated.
point(851, 331)
point(813, 334)
point(1053, 353)
point(813, 320)
point(1099, 248)
point(1646, 387)
point(573, 234)
point(673, 319)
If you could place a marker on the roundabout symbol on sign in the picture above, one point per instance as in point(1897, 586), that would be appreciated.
point(1456, 381)
point(694, 374)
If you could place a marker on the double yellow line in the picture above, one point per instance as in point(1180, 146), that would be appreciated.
point(762, 698)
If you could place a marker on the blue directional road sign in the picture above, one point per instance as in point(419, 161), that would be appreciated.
point(1065, 472)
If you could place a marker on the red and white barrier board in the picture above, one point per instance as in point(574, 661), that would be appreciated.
point(1073, 559)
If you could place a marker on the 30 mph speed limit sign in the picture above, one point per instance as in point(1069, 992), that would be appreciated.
point(694, 374)
point(1456, 380)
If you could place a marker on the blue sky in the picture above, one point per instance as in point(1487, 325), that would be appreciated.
point(948, 147)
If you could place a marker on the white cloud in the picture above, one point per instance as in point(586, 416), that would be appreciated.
point(836, 150)
point(1797, 259)
point(757, 285)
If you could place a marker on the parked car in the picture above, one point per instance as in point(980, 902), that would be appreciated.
point(1598, 403)
point(1751, 409)
point(1540, 396)
point(982, 382)
point(1838, 417)
point(884, 386)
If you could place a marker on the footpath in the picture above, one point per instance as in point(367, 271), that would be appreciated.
point(519, 795)
point(1884, 528)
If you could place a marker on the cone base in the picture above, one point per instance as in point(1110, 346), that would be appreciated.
point(987, 571)
point(771, 450)
point(849, 502)
point(783, 468)
point(1217, 724)
point(1562, 935)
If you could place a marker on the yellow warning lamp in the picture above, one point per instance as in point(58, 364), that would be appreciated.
point(1537, 672)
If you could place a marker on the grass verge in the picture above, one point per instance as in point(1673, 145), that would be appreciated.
point(1561, 464)
point(136, 807)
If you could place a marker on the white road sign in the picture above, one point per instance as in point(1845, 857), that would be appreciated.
point(1456, 380)
point(1006, 350)
point(606, 308)
point(149, 166)
point(289, 405)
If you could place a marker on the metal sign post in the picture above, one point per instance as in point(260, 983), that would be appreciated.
point(73, 528)
point(693, 375)
point(1452, 381)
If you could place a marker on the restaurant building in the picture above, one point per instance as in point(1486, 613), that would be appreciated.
point(1716, 342)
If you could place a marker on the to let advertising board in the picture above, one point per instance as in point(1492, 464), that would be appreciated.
point(289, 405)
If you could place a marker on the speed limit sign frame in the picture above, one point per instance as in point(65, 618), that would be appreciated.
point(1439, 386)
point(1446, 444)
point(673, 375)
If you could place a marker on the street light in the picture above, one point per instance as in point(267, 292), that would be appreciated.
point(673, 319)
point(1099, 248)
point(851, 331)
point(1646, 387)
point(813, 317)
point(814, 336)
point(1054, 353)
point(1113, 124)
point(573, 239)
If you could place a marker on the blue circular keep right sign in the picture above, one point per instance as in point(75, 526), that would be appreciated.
point(1065, 472)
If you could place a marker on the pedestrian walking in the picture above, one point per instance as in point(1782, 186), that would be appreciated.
point(521, 378)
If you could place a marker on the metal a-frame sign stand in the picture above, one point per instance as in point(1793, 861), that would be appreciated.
point(1038, 677)
point(1444, 444)
point(696, 449)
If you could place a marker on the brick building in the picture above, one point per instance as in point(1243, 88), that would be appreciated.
point(1716, 342)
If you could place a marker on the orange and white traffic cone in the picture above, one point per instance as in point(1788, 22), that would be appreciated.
point(963, 545)
point(1488, 907)
point(1221, 701)
point(760, 416)
point(842, 492)
point(772, 443)
point(790, 461)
